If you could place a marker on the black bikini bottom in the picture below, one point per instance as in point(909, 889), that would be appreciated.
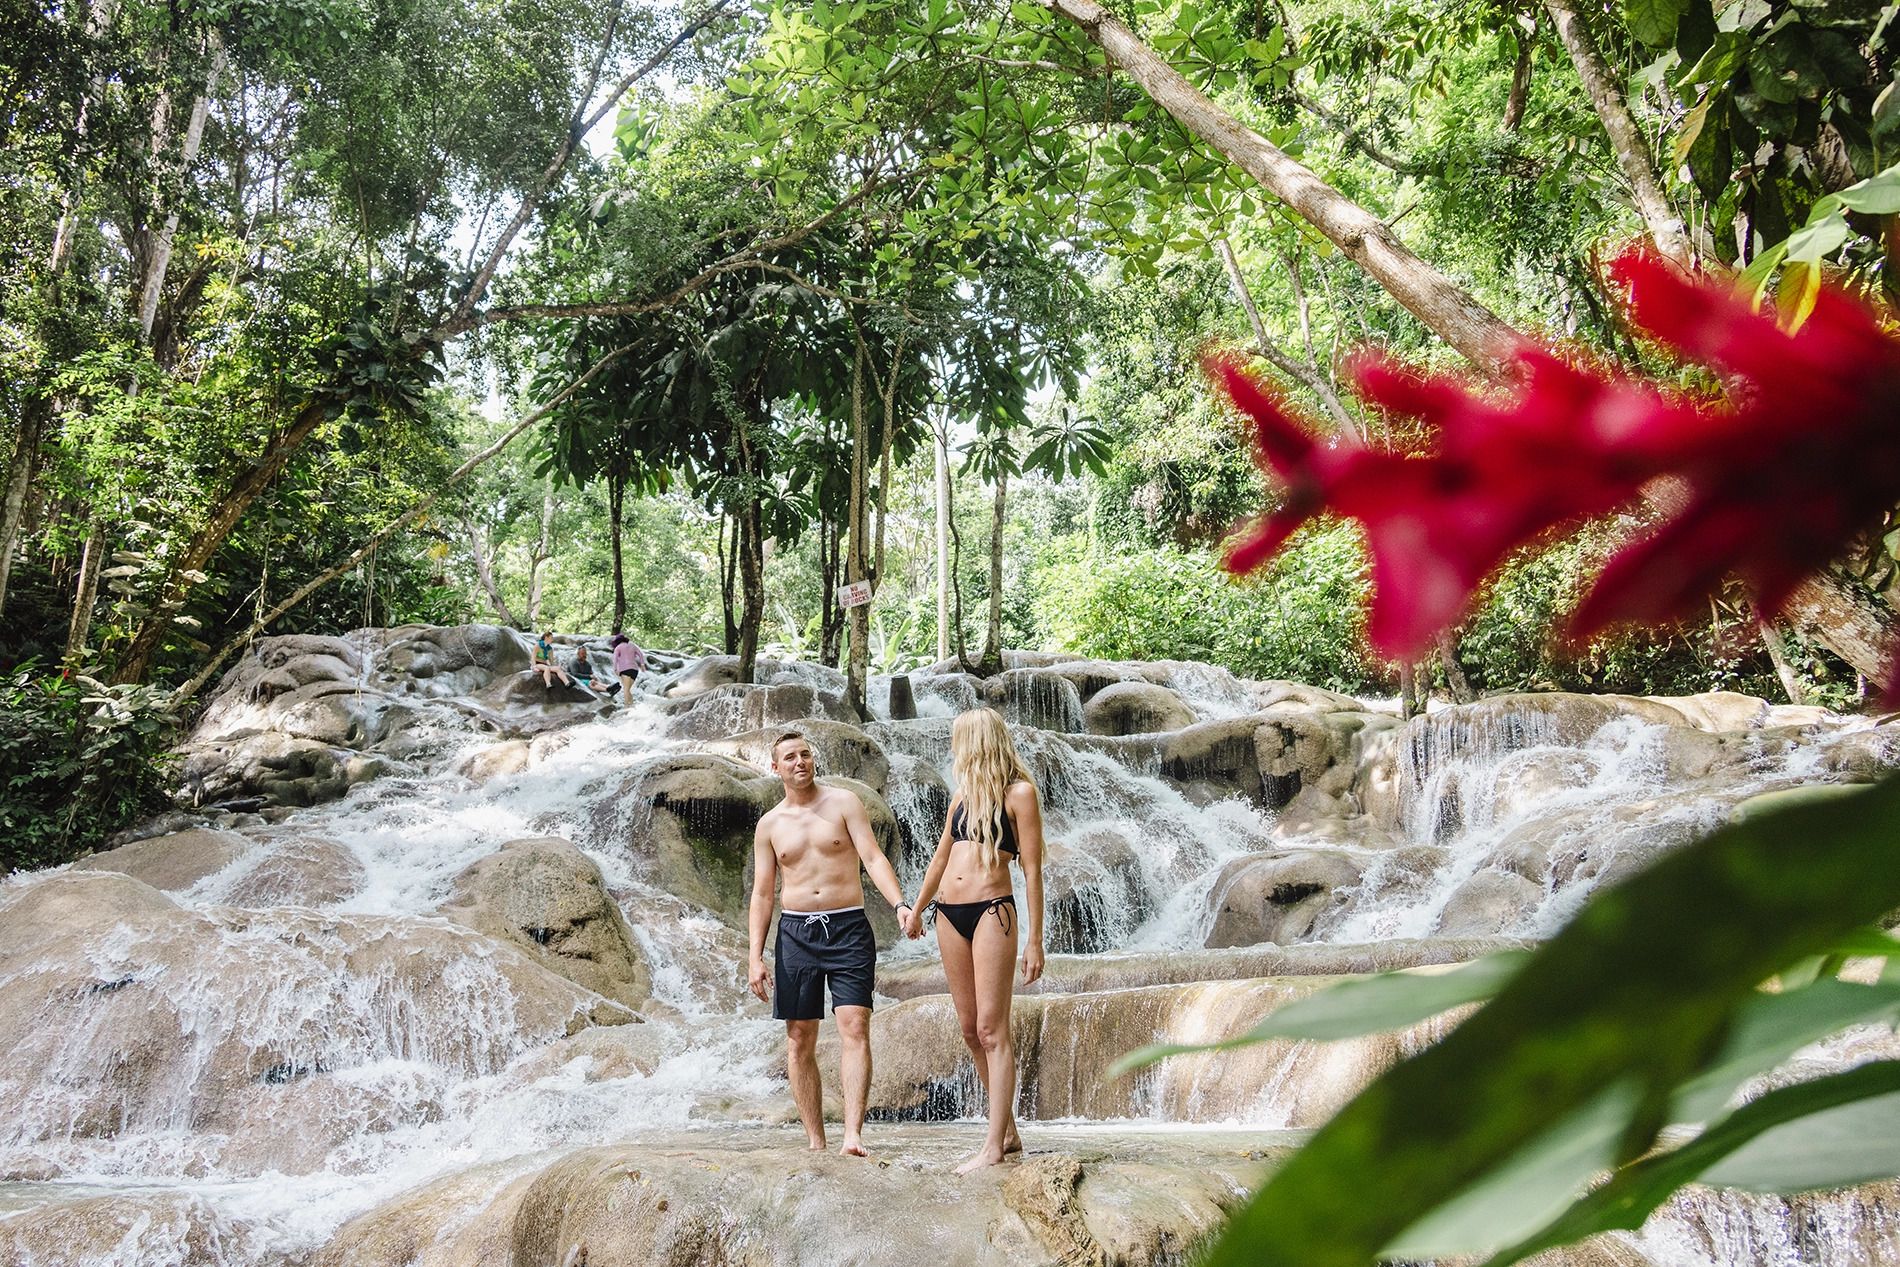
point(965, 916)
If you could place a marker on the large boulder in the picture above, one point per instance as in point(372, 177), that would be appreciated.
point(271, 768)
point(1093, 892)
point(722, 712)
point(753, 1199)
point(296, 871)
point(1313, 754)
point(840, 748)
point(1490, 902)
point(1214, 760)
point(269, 1036)
point(172, 862)
point(1278, 898)
point(547, 898)
point(1135, 708)
point(1045, 699)
point(437, 661)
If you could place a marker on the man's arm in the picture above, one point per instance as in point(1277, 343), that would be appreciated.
point(858, 824)
point(759, 915)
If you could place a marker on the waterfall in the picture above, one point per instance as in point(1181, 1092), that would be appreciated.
point(210, 1076)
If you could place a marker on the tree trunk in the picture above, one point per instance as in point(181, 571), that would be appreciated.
point(485, 573)
point(543, 548)
point(1778, 656)
point(1821, 608)
point(616, 507)
point(1422, 290)
point(1633, 158)
point(26, 452)
point(1520, 80)
point(1408, 691)
point(993, 638)
point(1456, 683)
point(87, 595)
point(1300, 372)
point(940, 447)
point(858, 666)
point(158, 253)
point(729, 583)
point(752, 583)
point(830, 615)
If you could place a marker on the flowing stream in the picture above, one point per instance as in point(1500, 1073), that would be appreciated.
point(374, 1026)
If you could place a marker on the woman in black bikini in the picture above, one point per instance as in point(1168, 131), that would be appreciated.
point(994, 817)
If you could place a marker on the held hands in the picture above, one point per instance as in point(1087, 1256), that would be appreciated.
point(910, 921)
point(755, 977)
point(1032, 962)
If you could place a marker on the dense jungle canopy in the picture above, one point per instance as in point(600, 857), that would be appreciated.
point(677, 317)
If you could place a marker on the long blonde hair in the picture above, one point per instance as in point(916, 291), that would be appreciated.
point(984, 762)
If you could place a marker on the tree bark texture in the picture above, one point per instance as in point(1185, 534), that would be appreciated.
point(858, 664)
point(543, 548)
point(158, 252)
point(1422, 290)
point(616, 516)
point(26, 452)
point(940, 448)
point(993, 638)
point(1633, 158)
point(1520, 80)
point(87, 595)
point(1778, 656)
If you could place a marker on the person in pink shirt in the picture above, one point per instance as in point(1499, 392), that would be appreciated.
point(629, 660)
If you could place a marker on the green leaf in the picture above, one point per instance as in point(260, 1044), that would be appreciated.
point(1818, 238)
point(1878, 195)
point(1653, 21)
point(1840, 1130)
point(1369, 1005)
point(1638, 991)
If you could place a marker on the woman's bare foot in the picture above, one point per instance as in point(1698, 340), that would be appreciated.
point(1013, 1144)
point(984, 1156)
point(853, 1147)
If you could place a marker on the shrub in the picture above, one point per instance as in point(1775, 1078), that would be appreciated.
point(78, 761)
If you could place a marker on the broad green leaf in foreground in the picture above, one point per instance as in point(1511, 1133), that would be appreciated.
point(1389, 1000)
point(1640, 989)
point(1831, 1132)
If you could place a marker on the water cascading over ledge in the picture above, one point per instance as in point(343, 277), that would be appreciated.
point(350, 1003)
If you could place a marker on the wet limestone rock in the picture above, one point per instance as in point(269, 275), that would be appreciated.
point(497, 760)
point(753, 1198)
point(1043, 698)
point(547, 898)
point(840, 748)
point(1277, 897)
point(1135, 708)
point(173, 862)
point(272, 768)
point(438, 661)
point(721, 712)
point(1489, 902)
point(123, 1014)
point(1214, 760)
point(1315, 753)
point(164, 1229)
point(300, 871)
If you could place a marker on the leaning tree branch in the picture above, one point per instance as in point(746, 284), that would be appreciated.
point(394, 526)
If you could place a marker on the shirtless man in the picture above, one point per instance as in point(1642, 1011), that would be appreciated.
point(814, 841)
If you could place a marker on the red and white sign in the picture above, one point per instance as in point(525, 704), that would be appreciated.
point(856, 594)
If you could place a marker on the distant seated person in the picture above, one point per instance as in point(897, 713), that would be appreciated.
point(584, 671)
point(544, 661)
point(629, 663)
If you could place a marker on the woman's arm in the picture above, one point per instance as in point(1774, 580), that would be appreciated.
point(1025, 814)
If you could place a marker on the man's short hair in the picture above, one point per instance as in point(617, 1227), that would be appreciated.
point(790, 734)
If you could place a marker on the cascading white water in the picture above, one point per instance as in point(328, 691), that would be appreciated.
point(408, 1052)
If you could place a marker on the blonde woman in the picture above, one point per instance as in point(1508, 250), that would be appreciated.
point(994, 817)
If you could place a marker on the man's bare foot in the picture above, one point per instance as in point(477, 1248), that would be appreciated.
point(816, 1145)
point(854, 1148)
point(984, 1156)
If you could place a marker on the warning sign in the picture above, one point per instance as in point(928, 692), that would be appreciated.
point(856, 594)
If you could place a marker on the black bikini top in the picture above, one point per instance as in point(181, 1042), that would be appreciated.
point(958, 824)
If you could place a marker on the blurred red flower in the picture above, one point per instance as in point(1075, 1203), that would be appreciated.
point(1776, 481)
